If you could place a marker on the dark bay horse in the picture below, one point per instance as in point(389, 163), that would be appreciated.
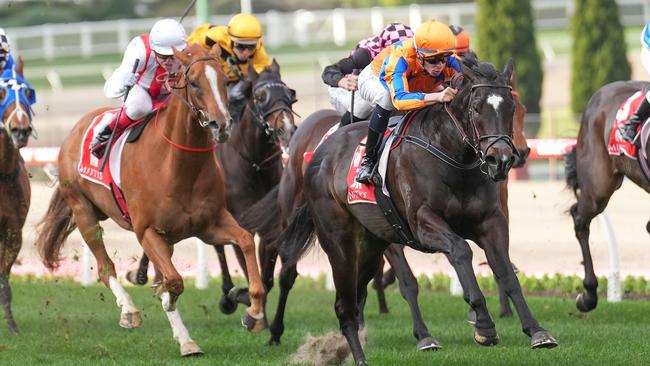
point(288, 196)
point(594, 175)
point(442, 204)
point(15, 191)
point(252, 162)
point(172, 193)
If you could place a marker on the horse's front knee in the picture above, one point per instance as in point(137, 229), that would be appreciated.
point(175, 286)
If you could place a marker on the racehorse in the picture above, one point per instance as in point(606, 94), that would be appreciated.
point(594, 175)
point(443, 204)
point(174, 190)
point(15, 106)
point(288, 196)
point(252, 161)
point(15, 192)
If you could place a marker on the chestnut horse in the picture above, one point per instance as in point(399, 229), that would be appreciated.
point(174, 190)
point(252, 161)
point(443, 204)
point(594, 175)
point(286, 198)
point(15, 192)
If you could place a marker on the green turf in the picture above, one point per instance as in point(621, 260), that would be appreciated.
point(65, 324)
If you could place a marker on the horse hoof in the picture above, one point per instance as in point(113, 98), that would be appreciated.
point(130, 320)
point(428, 344)
point(506, 314)
point(586, 302)
point(471, 317)
point(542, 339)
point(273, 342)
point(136, 278)
point(254, 324)
point(227, 306)
point(488, 338)
point(190, 348)
point(239, 295)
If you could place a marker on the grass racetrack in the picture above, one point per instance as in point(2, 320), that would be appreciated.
point(62, 323)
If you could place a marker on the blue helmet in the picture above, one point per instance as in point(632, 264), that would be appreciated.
point(645, 36)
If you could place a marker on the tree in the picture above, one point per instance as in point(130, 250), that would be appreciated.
point(505, 31)
point(599, 50)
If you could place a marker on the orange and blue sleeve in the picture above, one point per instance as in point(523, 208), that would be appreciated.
point(394, 78)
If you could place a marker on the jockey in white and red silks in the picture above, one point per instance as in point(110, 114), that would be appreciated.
point(156, 65)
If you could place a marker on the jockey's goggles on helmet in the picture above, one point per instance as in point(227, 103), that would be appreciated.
point(439, 59)
point(244, 46)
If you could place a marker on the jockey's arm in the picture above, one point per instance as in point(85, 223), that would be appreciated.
point(333, 74)
point(114, 86)
point(394, 73)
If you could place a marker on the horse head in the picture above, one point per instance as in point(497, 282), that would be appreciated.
point(272, 101)
point(16, 98)
point(204, 82)
point(486, 106)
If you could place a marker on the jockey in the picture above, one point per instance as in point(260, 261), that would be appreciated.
point(6, 60)
point(628, 130)
point(156, 64)
point(240, 43)
point(407, 75)
point(341, 80)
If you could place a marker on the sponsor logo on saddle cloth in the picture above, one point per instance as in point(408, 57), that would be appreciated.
point(617, 145)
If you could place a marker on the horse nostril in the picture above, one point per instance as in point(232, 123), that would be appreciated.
point(491, 160)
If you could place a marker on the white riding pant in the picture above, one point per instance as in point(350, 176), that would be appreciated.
point(138, 104)
point(341, 99)
point(372, 90)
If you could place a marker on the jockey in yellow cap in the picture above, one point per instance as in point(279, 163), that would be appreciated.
point(240, 42)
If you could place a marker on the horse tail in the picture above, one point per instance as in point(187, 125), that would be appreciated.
point(53, 229)
point(261, 217)
point(297, 237)
point(571, 170)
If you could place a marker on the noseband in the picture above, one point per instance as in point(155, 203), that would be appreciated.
point(15, 93)
point(475, 141)
point(262, 110)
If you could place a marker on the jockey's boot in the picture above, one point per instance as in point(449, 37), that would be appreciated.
point(628, 129)
point(370, 158)
point(98, 144)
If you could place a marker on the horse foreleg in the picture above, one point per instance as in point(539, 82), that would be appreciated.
point(227, 231)
point(139, 276)
point(493, 238)
point(226, 305)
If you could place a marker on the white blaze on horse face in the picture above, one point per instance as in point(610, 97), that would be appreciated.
point(495, 101)
point(211, 74)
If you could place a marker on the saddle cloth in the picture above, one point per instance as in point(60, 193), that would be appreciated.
point(617, 145)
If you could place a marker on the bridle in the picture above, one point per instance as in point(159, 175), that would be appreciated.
point(475, 141)
point(15, 93)
point(262, 110)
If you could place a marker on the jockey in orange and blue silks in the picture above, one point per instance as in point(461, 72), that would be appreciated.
point(157, 64)
point(407, 75)
point(629, 129)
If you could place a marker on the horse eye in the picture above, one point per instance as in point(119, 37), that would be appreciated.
point(194, 84)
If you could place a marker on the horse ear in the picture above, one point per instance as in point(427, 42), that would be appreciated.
point(467, 72)
point(183, 56)
point(215, 50)
point(275, 67)
point(19, 66)
point(252, 73)
point(509, 72)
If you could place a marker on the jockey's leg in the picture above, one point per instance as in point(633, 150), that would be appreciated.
point(629, 128)
point(137, 105)
point(378, 123)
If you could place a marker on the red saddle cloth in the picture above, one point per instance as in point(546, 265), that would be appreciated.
point(617, 145)
point(359, 192)
point(89, 165)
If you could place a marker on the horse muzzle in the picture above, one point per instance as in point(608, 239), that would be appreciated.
point(520, 160)
point(20, 136)
point(220, 131)
point(499, 164)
